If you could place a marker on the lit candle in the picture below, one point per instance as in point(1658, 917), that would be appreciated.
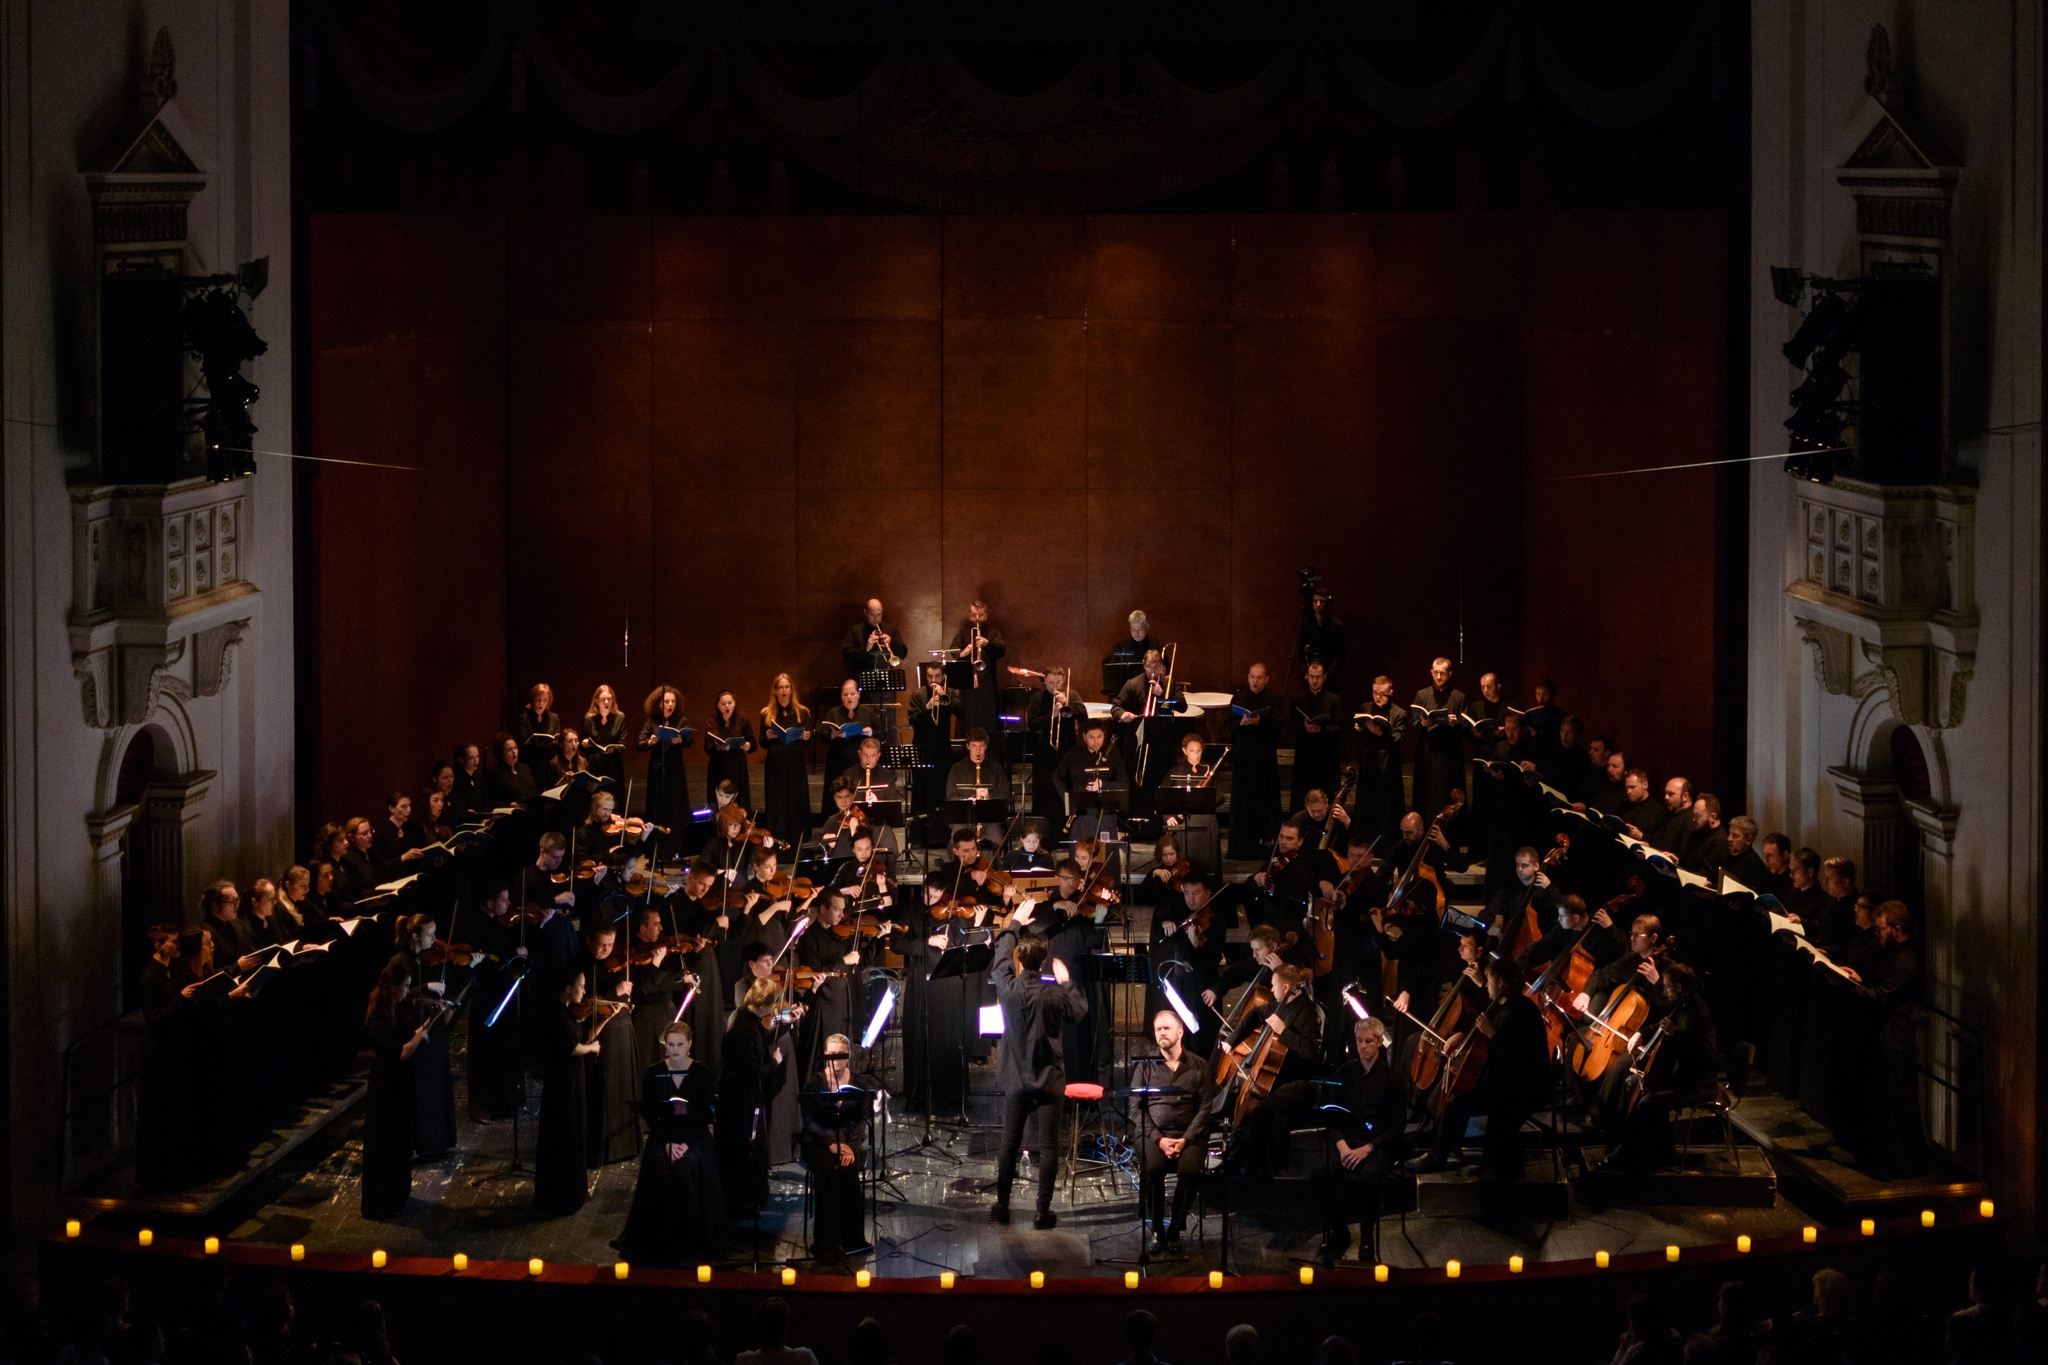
point(788, 1275)
point(72, 1227)
point(947, 1279)
point(1742, 1243)
point(213, 1246)
point(620, 1270)
point(703, 1274)
point(1130, 1279)
point(461, 1262)
point(860, 1277)
point(1514, 1265)
point(1038, 1279)
point(1600, 1259)
point(1671, 1253)
point(1986, 1208)
point(1308, 1274)
point(144, 1237)
point(1810, 1233)
point(377, 1258)
point(1452, 1270)
point(1869, 1227)
point(298, 1251)
point(1379, 1274)
point(536, 1266)
point(1927, 1218)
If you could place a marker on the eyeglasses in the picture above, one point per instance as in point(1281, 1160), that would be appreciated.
point(838, 1057)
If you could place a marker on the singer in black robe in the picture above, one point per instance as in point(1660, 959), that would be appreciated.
point(668, 780)
point(842, 750)
point(1317, 753)
point(1439, 743)
point(168, 1114)
point(604, 745)
point(723, 764)
point(754, 1072)
point(785, 769)
point(678, 1213)
point(387, 1118)
point(1254, 767)
point(835, 1150)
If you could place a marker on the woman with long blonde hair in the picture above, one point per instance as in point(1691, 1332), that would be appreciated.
point(786, 769)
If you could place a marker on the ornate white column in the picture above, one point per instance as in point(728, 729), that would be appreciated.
point(1873, 802)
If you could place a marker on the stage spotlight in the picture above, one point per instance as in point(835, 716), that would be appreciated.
point(1354, 1002)
point(1824, 324)
point(1789, 284)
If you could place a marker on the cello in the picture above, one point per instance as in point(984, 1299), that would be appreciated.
point(1254, 1067)
point(1419, 879)
point(1453, 1016)
point(1253, 995)
point(1616, 1028)
point(1528, 928)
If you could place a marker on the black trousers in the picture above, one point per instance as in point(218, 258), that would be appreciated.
point(1501, 1156)
point(1154, 1164)
point(1019, 1110)
point(1353, 1196)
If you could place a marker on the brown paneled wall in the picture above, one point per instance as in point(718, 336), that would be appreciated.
point(730, 432)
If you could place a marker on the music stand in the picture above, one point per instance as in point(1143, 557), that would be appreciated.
point(1106, 969)
point(1115, 675)
point(969, 962)
point(1171, 800)
point(975, 814)
point(882, 681)
point(1103, 806)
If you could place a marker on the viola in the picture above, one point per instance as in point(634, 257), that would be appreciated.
point(997, 879)
point(591, 1004)
point(862, 928)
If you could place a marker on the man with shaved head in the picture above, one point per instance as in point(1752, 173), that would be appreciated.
point(872, 643)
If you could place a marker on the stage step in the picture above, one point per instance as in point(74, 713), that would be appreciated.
point(114, 1191)
point(1536, 1197)
point(1803, 1149)
point(1706, 1178)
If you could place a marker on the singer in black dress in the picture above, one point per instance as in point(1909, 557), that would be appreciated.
point(723, 764)
point(388, 1111)
point(668, 781)
point(785, 773)
point(835, 1151)
point(604, 736)
point(561, 1174)
point(678, 1214)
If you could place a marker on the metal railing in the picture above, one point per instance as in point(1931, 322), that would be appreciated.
point(99, 1098)
point(1951, 1056)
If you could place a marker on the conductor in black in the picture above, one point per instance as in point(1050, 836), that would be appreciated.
point(1029, 1069)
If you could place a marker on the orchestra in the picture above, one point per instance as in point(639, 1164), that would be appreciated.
point(694, 988)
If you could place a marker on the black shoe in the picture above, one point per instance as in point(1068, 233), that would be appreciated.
point(999, 1213)
point(1158, 1244)
point(1173, 1241)
point(1045, 1220)
point(1333, 1251)
point(1425, 1165)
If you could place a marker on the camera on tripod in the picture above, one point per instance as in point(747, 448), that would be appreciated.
point(1312, 587)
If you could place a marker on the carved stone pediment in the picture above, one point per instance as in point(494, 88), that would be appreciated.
point(1885, 593)
point(160, 600)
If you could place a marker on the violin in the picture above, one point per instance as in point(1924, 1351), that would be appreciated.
point(862, 928)
point(677, 944)
point(590, 1004)
point(633, 825)
point(741, 828)
point(788, 888)
point(1104, 895)
point(441, 954)
point(1556, 856)
point(808, 978)
point(996, 879)
point(784, 1016)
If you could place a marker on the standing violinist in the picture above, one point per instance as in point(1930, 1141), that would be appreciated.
point(1381, 727)
point(756, 1040)
point(1073, 928)
point(561, 1170)
point(977, 777)
point(766, 913)
point(657, 983)
point(668, 781)
point(1318, 720)
point(834, 960)
point(432, 1097)
point(1295, 1020)
point(932, 709)
point(1514, 1082)
point(959, 900)
point(785, 776)
point(979, 645)
point(698, 911)
point(1254, 727)
point(604, 735)
point(613, 1080)
point(845, 726)
point(728, 739)
point(1053, 720)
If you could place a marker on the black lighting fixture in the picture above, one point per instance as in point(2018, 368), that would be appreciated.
point(218, 335)
point(1827, 335)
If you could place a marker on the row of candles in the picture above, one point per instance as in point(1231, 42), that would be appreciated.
point(1453, 1269)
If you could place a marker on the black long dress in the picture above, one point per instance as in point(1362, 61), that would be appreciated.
point(610, 1076)
point(433, 1081)
point(598, 739)
point(728, 765)
point(1439, 751)
point(388, 1131)
point(668, 780)
point(495, 1058)
point(1048, 747)
point(840, 1225)
point(1316, 756)
point(706, 1014)
point(678, 1213)
point(931, 732)
point(843, 751)
point(560, 1173)
point(786, 777)
point(1254, 774)
point(752, 1076)
point(168, 1117)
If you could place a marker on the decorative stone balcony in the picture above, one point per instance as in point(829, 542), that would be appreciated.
point(1884, 593)
point(159, 592)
